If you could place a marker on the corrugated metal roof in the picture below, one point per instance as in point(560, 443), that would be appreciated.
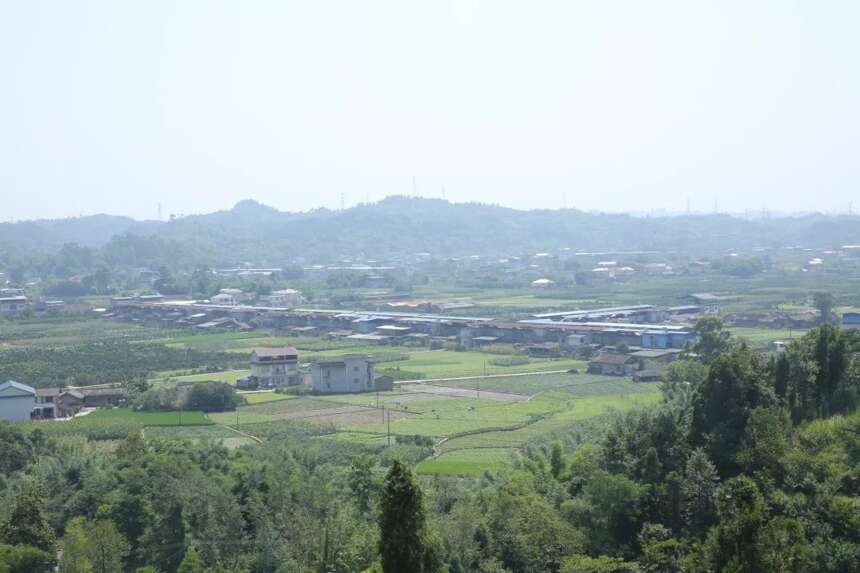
point(17, 386)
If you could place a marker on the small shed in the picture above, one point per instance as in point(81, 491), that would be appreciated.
point(383, 383)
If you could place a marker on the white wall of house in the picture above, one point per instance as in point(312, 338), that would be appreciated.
point(16, 404)
point(343, 377)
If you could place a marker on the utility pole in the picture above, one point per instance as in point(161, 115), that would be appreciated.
point(389, 428)
point(237, 418)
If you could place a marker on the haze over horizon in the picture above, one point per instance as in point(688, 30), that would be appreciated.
point(115, 107)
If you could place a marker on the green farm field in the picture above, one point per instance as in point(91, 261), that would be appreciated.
point(451, 364)
point(173, 418)
point(472, 435)
point(575, 384)
point(469, 462)
point(264, 397)
point(759, 337)
point(228, 376)
point(48, 332)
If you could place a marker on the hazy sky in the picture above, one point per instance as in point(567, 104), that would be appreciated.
point(116, 106)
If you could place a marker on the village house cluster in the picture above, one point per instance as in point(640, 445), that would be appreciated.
point(19, 402)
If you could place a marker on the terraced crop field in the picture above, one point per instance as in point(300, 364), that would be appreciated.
point(472, 434)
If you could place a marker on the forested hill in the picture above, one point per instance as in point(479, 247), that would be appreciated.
point(251, 232)
point(45, 235)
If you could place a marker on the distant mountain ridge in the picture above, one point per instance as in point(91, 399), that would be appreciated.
point(253, 232)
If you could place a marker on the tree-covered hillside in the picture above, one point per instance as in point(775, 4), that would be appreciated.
point(251, 232)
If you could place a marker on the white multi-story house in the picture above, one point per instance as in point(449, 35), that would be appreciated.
point(224, 299)
point(230, 297)
point(16, 401)
point(352, 373)
point(275, 367)
point(287, 297)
